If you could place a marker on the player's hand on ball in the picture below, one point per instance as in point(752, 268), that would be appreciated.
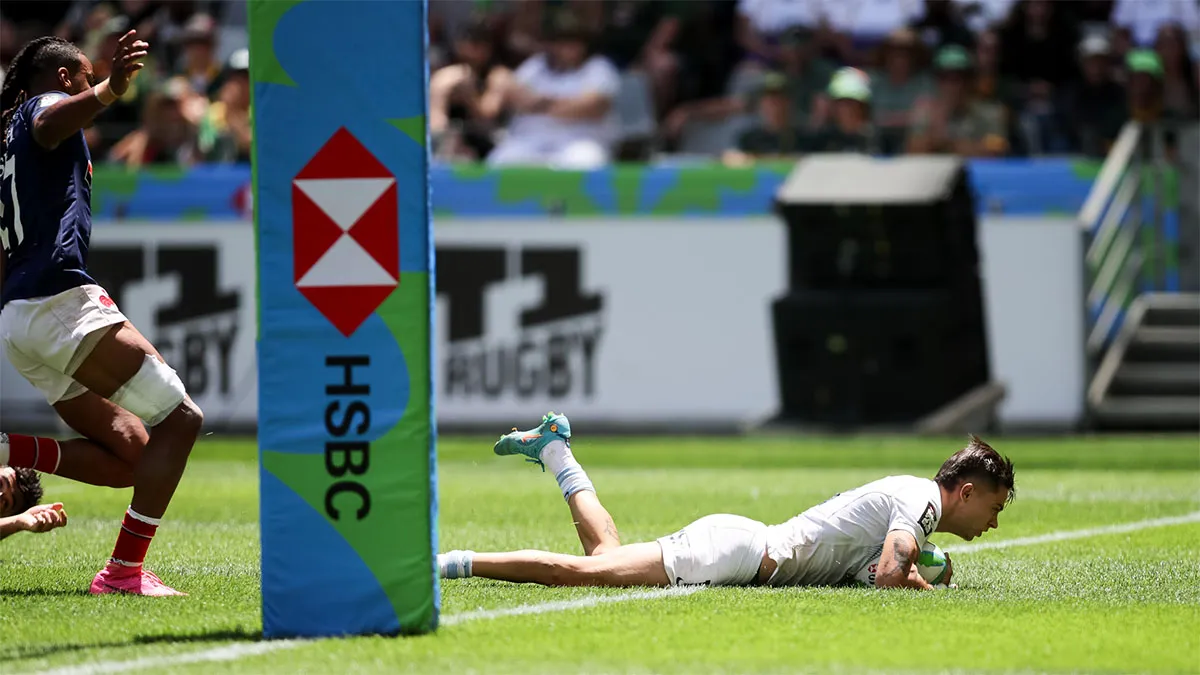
point(949, 572)
point(126, 61)
point(43, 518)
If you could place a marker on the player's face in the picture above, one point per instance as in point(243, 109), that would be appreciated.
point(84, 79)
point(981, 509)
point(8, 491)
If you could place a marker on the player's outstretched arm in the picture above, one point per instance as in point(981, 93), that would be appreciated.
point(41, 518)
point(897, 563)
point(69, 115)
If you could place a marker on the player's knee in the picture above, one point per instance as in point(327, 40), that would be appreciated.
point(189, 418)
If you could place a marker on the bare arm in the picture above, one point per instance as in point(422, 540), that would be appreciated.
point(495, 93)
point(586, 107)
point(441, 85)
point(897, 563)
point(41, 518)
point(66, 117)
point(664, 34)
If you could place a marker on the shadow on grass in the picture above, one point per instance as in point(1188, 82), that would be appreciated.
point(42, 651)
point(44, 592)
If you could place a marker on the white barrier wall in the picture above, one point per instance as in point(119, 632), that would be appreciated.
point(640, 320)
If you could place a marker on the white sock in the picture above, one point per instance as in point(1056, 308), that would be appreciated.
point(566, 469)
point(3, 449)
point(456, 564)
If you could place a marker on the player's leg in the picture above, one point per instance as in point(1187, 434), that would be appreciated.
point(632, 565)
point(113, 438)
point(112, 444)
point(126, 369)
point(548, 445)
point(79, 459)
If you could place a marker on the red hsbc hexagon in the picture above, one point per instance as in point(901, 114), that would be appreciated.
point(345, 232)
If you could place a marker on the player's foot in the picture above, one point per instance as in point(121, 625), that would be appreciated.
point(118, 578)
point(554, 427)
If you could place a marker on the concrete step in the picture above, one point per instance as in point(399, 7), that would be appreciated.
point(1156, 379)
point(1177, 315)
point(1164, 344)
point(1148, 412)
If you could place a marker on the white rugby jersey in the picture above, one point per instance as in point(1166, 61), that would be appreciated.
point(830, 542)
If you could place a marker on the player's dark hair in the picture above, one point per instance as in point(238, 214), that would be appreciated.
point(978, 462)
point(35, 57)
point(29, 485)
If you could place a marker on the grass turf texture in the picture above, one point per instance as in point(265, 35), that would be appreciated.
point(1113, 603)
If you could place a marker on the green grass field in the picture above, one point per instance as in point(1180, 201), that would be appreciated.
point(1125, 601)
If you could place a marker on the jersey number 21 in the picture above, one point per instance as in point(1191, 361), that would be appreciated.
point(10, 235)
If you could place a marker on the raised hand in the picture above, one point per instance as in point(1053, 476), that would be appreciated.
point(126, 61)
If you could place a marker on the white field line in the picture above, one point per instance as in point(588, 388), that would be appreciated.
point(566, 605)
point(1193, 517)
point(237, 651)
point(227, 653)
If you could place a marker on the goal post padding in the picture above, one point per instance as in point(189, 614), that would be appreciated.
point(346, 433)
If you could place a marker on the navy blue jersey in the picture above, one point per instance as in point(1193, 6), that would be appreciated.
point(45, 209)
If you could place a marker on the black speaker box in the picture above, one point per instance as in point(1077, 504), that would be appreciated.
point(862, 223)
point(879, 357)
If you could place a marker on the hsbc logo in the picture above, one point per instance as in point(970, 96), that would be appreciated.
point(346, 234)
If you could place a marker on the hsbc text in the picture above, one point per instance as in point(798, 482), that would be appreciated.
point(347, 416)
point(558, 362)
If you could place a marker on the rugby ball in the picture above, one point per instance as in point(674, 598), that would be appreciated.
point(931, 565)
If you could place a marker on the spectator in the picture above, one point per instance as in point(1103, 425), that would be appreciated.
point(806, 78)
point(1037, 45)
point(954, 120)
point(981, 15)
point(465, 98)
point(850, 128)
point(561, 101)
point(1145, 87)
point(897, 83)
point(990, 83)
point(1037, 52)
point(199, 62)
point(451, 20)
point(1143, 18)
point(942, 24)
point(122, 117)
point(1093, 109)
point(707, 49)
point(640, 35)
point(760, 24)
point(224, 130)
point(775, 133)
point(870, 21)
point(1181, 96)
point(165, 135)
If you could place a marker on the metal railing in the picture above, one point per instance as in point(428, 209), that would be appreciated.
point(1123, 221)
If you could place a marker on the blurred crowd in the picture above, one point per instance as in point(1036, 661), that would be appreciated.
point(190, 104)
point(582, 83)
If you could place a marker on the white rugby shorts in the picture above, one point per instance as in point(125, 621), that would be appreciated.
point(717, 550)
point(47, 338)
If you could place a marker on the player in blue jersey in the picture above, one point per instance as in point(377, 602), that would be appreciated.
point(59, 328)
